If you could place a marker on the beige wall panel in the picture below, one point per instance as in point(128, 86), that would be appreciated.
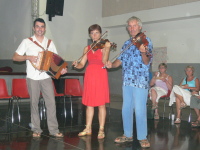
point(118, 7)
point(146, 4)
point(187, 1)
point(115, 7)
point(176, 2)
point(160, 3)
point(108, 7)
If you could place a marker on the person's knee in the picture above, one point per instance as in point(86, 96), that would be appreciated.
point(102, 107)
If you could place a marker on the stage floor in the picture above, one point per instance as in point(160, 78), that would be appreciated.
point(162, 134)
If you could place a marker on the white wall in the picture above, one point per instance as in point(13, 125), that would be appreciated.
point(70, 31)
point(175, 27)
point(15, 25)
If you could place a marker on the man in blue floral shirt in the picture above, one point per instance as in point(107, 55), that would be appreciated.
point(135, 73)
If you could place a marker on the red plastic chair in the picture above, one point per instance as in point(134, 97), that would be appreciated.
point(3, 90)
point(72, 89)
point(165, 97)
point(4, 93)
point(19, 91)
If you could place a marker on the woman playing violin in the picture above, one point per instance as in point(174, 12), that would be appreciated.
point(96, 88)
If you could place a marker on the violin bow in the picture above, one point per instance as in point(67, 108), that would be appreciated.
point(114, 58)
point(136, 40)
point(79, 60)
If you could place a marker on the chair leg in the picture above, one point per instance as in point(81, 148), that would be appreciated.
point(171, 113)
point(189, 118)
point(71, 106)
point(65, 112)
point(44, 109)
point(164, 108)
point(12, 111)
point(19, 117)
point(9, 109)
point(40, 109)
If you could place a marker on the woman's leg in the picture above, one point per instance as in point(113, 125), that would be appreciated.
point(197, 111)
point(179, 100)
point(102, 119)
point(102, 115)
point(153, 97)
point(89, 118)
point(154, 103)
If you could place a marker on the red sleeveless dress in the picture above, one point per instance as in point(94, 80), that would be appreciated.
point(96, 87)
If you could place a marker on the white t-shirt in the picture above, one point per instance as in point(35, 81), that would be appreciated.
point(27, 47)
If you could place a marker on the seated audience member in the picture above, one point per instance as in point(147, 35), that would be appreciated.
point(195, 103)
point(181, 94)
point(160, 83)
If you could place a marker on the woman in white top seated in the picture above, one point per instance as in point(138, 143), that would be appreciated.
point(181, 94)
point(160, 83)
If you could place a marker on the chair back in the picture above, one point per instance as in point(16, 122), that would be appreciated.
point(19, 88)
point(3, 89)
point(73, 87)
point(168, 93)
point(166, 96)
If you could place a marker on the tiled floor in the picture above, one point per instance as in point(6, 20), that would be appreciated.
point(162, 134)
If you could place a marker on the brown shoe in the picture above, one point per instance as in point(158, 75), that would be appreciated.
point(123, 139)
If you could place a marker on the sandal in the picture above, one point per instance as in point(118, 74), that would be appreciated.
point(178, 120)
point(36, 134)
point(154, 107)
point(196, 124)
point(57, 135)
point(156, 116)
point(101, 134)
point(194, 121)
point(123, 139)
point(183, 105)
point(86, 131)
point(144, 143)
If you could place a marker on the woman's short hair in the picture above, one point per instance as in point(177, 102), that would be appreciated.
point(190, 67)
point(162, 64)
point(94, 27)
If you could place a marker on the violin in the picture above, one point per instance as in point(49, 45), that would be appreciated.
point(140, 39)
point(101, 44)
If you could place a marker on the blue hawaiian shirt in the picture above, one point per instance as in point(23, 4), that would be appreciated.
point(134, 72)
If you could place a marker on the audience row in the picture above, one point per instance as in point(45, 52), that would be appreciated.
point(185, 94)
